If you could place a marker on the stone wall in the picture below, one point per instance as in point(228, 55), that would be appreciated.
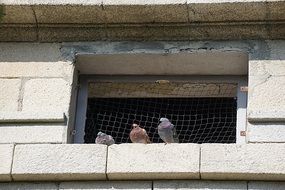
point(38, 83)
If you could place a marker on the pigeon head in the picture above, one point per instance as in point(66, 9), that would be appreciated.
point(101, 134)
point(134, 125)
point(163, 119)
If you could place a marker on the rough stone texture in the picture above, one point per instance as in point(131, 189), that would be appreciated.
point(59, 162)
point(266, 78)
point(153, 161)
point(28, 186)
point(124, 11)
point(30, 52)
point(226, 11)
point(199, 185)
point(254, 185)
point(70, 13)
point(6, 156)
point(33, 117)
point(243, 162)
point(17, 33)
point(266, 132)
point(46, 95)
point(32, 134)
point(35, 69)
point(106, 185)
point(68, 33)
point(9, 94)
point(52, 20)
point(12, 14)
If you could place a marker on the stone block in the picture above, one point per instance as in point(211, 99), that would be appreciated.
point(6, 157)
point(124, 11)
point(32, 117)
point(266, 98)
point(222, 31)
point(16, 33)
point(57, 162)
point(151, 32)
point(260, 185)
point(243, 162)
point(9, 94)
point(70, 13)
point(28, 186)
point(32, 134)
point(11, 14)
point(30, 52)
point(262, 132)
point(107, 185)
point(71, 33)
point(46, 95)
point(36, 69)
point(230, 11)
point(153, 161)
point(276, 9)
point(199, 185)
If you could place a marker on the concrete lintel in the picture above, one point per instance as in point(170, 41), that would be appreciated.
point(183, 63)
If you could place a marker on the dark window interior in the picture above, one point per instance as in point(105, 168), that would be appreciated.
point(197, 120)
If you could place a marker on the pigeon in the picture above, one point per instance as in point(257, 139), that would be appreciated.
point(167, 131)
point(103, 138)
point(139, 135)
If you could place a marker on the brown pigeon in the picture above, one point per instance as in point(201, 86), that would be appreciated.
point(139, 135)
point(103, 138)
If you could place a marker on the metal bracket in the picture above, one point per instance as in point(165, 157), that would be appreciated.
point(243, 133)
point(244, 89)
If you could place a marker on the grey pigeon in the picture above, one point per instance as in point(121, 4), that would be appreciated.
point(139, 135)
point(167, 131)
point(103, 138)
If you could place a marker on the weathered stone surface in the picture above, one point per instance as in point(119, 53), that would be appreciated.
point(199, 185)
point(70, 13)
point(11, 15)
point(28, 186)
point(9, 94)
point(59, 162)
point(151, 32)
point(226, 31)
point(243, 162)
point(32, 117)
point(36, 53)
point(31, 134)
point(266, 98)
point(254, 185)
point(16, 33)
point(69, 33)
point(124, 11)
point(6, 157)
point(107, 185)
point(46, 95)
point(208, 11)
point(35, 69)
point(266, 132)
point(153, 161)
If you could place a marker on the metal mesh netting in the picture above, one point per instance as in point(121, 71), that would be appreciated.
point(201, 113)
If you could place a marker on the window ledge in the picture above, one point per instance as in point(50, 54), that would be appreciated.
point(144, 162)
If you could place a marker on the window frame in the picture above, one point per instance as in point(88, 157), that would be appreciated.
point(82, 97)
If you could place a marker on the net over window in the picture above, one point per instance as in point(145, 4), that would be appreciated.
point(201, 113)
